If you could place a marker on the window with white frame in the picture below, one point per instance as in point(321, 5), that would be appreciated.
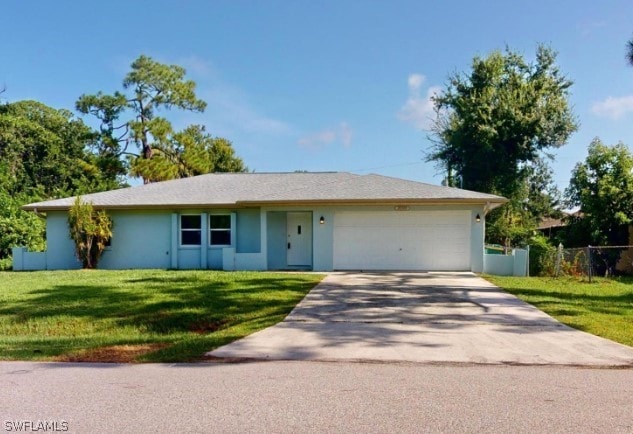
point(190, 230)
point(220, 230)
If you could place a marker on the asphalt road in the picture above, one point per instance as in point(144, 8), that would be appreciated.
point(296, 397)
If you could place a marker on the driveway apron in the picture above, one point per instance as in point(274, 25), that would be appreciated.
point(425, 318)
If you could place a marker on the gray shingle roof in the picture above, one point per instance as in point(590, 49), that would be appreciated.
point(235, 189)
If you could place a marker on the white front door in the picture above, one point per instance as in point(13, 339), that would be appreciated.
point(299, 225)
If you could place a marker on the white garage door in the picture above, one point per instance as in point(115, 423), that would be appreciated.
point(402, 240)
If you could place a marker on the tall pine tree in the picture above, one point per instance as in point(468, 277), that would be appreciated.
point(131, 126)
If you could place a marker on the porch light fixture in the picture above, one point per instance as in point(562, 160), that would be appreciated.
point(477, 218)
point(322, 220)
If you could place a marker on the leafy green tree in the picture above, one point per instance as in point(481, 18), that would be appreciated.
point(17, 227)
point(629, 51)
point(224, 158)
point(542, 256)
point(536, 197)
point(602, 186)
point(90, 230)
point(544, 199)
point(500, 117)
point(132, 118)
point(191, 152)
point(509, 225)
point(44, 153)
point(493, 130)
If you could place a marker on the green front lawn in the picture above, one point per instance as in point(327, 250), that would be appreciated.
point(603, 307)
point(138, 315)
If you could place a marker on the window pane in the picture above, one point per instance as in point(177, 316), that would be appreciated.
point(190, 222)
point(220, 222)
point(220, 238)
point(190, 238)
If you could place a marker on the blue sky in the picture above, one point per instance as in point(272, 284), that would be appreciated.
point(322, 85)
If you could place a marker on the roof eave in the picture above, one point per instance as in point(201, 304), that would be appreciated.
point(491, 203)
point(45, 208)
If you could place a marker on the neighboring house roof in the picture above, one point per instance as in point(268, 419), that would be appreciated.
point(248, 189)
point(549, 222)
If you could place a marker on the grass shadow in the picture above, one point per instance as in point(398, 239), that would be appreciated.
point(185, 310)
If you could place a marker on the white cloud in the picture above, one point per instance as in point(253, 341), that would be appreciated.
point(613, 107)
point(415, 82)
point(418, 110)
point(587, 28)
point(230, 107)
point(345, 134)
point(342, 134)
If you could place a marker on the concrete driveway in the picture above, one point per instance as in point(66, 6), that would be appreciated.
point(422, 317)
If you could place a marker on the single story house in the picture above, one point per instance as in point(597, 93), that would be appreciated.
point(281, 221)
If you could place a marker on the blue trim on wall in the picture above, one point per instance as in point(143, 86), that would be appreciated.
point(247, 231)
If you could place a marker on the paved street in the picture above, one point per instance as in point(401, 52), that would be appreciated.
point(438, 352)
point(424, 318)
point(297, 397)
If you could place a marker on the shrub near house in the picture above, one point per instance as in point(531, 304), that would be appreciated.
point(90, 230)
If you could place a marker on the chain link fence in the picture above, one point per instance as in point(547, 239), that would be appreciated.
point(587, 262)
